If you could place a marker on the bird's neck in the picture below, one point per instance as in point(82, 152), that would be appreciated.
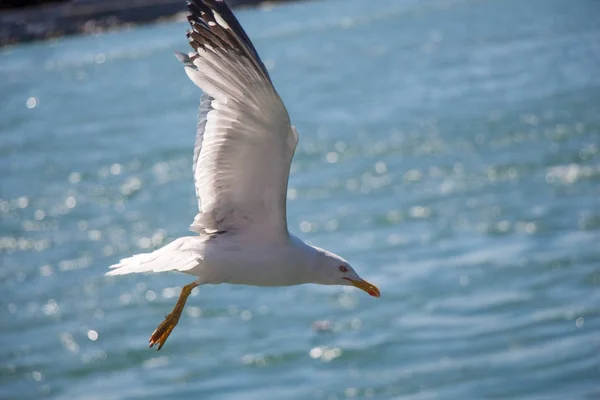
point(306, 260)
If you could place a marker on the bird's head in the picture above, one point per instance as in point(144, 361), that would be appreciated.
point(334, 270)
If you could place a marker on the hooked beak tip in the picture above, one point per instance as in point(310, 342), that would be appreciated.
point(374, 291)
point(371, 289)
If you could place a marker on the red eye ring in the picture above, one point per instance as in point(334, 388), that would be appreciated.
point(343, 268)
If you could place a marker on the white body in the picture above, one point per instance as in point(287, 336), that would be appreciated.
point(256, 264)
point(231, 259)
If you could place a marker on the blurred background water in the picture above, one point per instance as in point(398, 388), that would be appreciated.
point(449, 150)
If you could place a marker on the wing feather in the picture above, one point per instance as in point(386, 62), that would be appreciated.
point(244, 142)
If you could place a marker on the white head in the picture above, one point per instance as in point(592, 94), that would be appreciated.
point(334, 270)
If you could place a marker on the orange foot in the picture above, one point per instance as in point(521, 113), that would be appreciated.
point(163, 331)
point(165, 328)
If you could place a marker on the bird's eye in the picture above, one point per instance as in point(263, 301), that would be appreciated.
point(342, 268)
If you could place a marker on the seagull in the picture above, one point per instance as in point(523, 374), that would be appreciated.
point(242, 155)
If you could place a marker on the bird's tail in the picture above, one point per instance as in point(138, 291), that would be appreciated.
point(181, 255)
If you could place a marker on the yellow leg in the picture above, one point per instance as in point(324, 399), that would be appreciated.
point(165, 328)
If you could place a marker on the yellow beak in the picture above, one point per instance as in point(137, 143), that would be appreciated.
point(366, 286)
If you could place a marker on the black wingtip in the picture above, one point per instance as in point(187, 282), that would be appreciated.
point(214, 23)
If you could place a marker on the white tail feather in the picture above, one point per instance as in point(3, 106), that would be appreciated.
point(182, 254)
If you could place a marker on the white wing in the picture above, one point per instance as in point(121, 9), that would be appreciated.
point(245, 143)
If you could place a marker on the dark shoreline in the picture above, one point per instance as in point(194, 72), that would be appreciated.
point(88, 17)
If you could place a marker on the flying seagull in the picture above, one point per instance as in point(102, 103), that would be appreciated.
point(244, 148)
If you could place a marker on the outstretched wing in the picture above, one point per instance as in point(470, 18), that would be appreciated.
point(245, 143)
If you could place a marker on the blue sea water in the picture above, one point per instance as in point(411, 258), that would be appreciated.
point(448, 149)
